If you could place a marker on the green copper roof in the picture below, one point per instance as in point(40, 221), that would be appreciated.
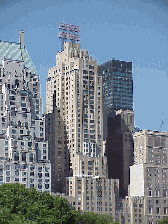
point(12, 50)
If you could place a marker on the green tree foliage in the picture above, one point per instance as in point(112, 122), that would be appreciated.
point(164, 221)
point(22, 205)
point(93, 218)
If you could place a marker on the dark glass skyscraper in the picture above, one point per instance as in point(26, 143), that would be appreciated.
point(117, 88)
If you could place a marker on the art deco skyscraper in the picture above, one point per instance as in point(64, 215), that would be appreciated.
point(74, 93)
point(74, 87)
point(77, 89)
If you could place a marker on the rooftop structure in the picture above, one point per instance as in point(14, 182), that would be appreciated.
point(17, 51)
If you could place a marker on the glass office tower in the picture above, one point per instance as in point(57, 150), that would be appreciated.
point(117, 88)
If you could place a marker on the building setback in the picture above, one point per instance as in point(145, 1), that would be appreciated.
point(74, 90)
point(23, 149)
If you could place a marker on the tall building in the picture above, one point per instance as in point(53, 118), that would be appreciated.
point(118, 119)
point(23, 149)
point(117, 88)
point(74, 90)
point(148, 177)
point(120, 148)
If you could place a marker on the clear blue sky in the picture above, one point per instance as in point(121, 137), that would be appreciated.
point(130, 30)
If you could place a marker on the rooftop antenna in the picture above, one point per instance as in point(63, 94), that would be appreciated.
point(68, 31)
point(162, 122)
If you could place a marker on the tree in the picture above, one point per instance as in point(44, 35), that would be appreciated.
point(164, 221)
point(93, 218)
point(22, 205)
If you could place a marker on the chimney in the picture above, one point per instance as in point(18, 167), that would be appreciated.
point(21, 39)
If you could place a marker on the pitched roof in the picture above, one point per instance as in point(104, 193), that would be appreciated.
point(13, 51)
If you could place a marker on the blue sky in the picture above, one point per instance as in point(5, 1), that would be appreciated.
point(131, 30)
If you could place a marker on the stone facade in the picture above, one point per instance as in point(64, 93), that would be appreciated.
point(148, 194)
point(23, 149)
point(74, 90)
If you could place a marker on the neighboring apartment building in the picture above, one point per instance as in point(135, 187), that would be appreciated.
point(119, 148)
point(117, 89)
point(99, 195)
point(74, 90)
point(148, 177)
point(23, 149)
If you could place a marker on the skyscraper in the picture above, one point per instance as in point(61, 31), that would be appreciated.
point(118, 119)
point(117, 88)
point(74, 88)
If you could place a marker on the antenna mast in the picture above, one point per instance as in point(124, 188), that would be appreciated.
point(68, 31)
point(162, 122)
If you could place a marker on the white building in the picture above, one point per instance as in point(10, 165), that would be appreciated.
point(148, 198)
point(23, 149)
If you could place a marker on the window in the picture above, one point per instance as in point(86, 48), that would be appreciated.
point(157, 193)
point(130, 119)
point(150, 210)
point(157, 210)
point(7, 173)
point(165, 211)
point(39, 186)
point(46, 186)
point(31, 158)
point(40, 168)
point(150, 192)
point(24, 156)
point(7, 167)
point(7, 179)
point(29, 144)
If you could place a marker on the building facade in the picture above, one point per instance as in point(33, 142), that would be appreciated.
point(148, 176)
point(58, 152)
point(23, 149)
point(117, 88)
point(74, 89)
point(119, 148)
point(77, 89)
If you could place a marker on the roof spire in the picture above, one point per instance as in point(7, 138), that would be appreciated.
point(21, 39)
